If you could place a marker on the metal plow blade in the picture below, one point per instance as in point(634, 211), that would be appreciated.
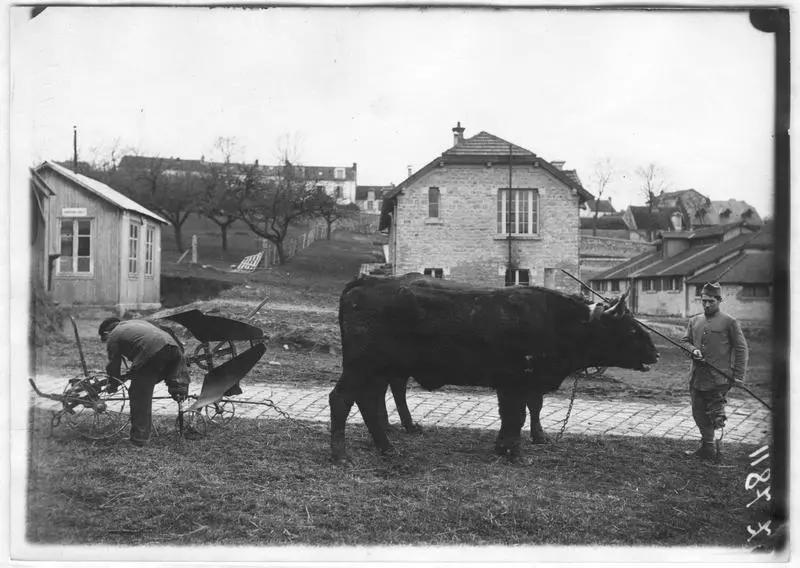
point(221, 378)
point(215, 328)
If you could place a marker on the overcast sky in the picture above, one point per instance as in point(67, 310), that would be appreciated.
point(691, 92)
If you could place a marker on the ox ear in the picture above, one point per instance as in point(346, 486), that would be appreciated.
point(596, 311)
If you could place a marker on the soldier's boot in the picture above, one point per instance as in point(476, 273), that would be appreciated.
point(706, 452)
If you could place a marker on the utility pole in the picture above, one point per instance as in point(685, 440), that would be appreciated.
point(75, 149)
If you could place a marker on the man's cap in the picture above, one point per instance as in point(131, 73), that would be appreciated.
point(711, 289)
point(106, 325)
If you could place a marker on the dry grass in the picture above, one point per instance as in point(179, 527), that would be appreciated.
point(270, 482)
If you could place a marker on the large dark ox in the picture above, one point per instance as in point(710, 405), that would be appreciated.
point(522, 341)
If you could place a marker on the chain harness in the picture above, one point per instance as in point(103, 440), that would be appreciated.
point(569, 409)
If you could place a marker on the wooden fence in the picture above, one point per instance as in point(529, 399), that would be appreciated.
point(292, 245)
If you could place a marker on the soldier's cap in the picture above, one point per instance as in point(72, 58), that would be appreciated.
point(711, 289)
point(107, 325)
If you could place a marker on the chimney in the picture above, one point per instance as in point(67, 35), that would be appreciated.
point(558, 164)
point(677, 221)
point(409, 170)
point(458, 134)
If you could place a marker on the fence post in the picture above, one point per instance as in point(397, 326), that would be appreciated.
point(194, 249)
point(265, 251)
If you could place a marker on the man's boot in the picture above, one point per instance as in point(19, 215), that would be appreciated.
point(705, 452)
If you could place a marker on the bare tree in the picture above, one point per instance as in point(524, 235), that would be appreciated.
point(653, 182)
point(601, 176)
point(326, 207)
point(220, 199)
point(270, 202)
point(173, 195)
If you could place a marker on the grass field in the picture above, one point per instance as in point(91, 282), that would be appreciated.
point(269, 482)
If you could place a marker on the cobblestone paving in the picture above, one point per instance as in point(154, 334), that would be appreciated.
point(748, 421)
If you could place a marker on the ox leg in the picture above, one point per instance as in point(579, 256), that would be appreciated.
point(399, 388)
point(340, 403)
point(535, 401)
point(511, 404)
point(369, 402)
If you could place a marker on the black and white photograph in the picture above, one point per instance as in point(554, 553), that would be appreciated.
point(422, 284)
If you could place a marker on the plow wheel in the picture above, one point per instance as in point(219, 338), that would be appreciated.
point(220, 413)
point(195, 424)
point(95, 406)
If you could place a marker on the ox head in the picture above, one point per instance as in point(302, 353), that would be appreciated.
point(617, 339)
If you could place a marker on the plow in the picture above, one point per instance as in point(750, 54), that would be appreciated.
point(96, 405)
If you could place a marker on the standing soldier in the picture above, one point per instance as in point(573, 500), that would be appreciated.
point(715, 340)
point(155, 355)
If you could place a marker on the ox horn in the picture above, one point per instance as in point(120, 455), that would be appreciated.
point(619, 306)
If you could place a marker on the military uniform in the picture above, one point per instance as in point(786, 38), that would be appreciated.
point(155, 355)
point(720, 340)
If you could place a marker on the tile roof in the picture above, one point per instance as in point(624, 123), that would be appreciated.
point(319, 173)
point(708, 230)
point(603, 206)
point(484, 144)
point(747, 268)
point(658, 220)
point(102, 190)
point(608, 222)
point(488, 147)
point(629, 267)
point(693, 259)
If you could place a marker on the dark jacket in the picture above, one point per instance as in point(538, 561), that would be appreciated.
point(138, 341)
point(722, 343)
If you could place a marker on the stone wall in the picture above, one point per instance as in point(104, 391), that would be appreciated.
point(464, 241)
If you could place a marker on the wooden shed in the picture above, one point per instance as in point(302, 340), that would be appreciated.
point(109, 246)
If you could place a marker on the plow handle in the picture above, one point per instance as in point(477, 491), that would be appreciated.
point(57, 398)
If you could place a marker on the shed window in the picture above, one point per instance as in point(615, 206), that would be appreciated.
point(756, 291)
point(672, 283)
point(518, 277)
point(133, 249)
point(76, 247)
point(338, 173)
point(433, 202)
point(518, 211)
point(615, 285)
point(370, 205)
point(646, 285)
point(149, 248)
point(434, 272)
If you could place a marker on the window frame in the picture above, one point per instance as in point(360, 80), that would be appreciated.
point(434, 272)
point(76, 235)
point(434, 191)
point(133, 251)
point(517, 280)
point(149, 250)
point(525, 199)
point(754, 287)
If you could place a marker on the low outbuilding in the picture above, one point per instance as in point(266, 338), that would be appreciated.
point(107, 246)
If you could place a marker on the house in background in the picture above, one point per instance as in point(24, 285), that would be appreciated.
point(668, 281)
point(487, 212)
point(603, 207)
point(337, 181)
point(108, 246)
point(370, 197)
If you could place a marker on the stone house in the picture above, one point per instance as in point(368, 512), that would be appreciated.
point(337, 181)
point(487, 212)
point(370, 197)
point(602, 206)
point(668, 280)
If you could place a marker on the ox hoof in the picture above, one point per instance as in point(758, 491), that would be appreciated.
point(540, 439)
point(414, 429)
point(389, 452)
